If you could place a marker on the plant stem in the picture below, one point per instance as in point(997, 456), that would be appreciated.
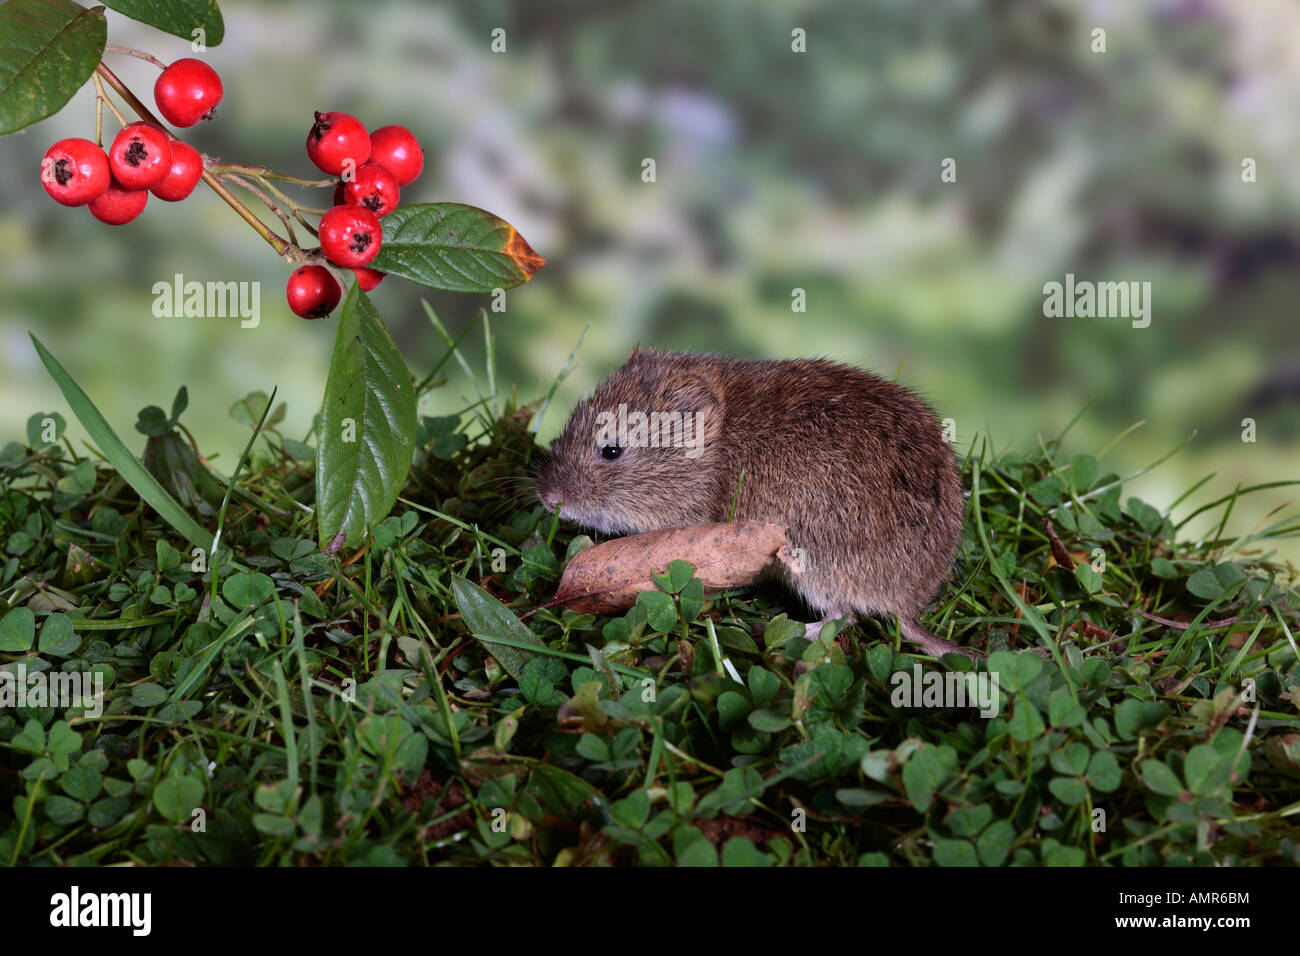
point(266, 200)
point(262, 229)
point(131, 51)
point(101, 99)
point(261, 172)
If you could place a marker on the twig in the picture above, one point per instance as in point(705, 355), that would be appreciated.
point(139, 54)
point(101, 99)
point(270, 203)
point(277, 243)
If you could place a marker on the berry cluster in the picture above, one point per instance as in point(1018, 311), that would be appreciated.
point(143, 158)
point(373, 168)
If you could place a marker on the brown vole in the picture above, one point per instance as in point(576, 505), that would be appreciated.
point(853, 466)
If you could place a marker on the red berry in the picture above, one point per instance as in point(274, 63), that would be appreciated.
point(312, 292)
point(335, 140)
point(339, 196)
point(186, 170)
point(141, 156)
point(374, 187)
point(396, 148)
point(118, 205)
point(74, 171)
point(350, 235)
point(368, 278)
point(187, 91)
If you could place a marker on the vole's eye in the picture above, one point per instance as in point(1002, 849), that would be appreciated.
point(611, 452)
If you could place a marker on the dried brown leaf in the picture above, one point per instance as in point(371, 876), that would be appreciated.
point(1060, 554)
point(606, 578)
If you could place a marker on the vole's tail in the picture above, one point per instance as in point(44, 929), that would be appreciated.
point(932, 644)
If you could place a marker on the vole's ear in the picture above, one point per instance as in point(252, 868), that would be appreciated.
point(636, 353)
point(700, 394)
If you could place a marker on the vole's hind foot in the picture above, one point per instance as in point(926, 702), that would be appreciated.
point(812, 631)
point(933, 644)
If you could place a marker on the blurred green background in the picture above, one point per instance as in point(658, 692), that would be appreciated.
point(776, 170)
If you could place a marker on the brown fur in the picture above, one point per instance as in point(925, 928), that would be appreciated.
point(853, 466)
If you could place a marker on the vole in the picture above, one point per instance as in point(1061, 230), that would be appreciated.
point(855, 467)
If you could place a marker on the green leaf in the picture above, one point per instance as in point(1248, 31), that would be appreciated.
point(1062, 711)
point(245, 590)
point(62, 810)
point(455, 248)
point(955, 853)
point(31, 739)
point(1026, 722)
point(369, 398)
point(558, 791)
point(250, 409)
point(1083, 472)
point(660, 610)
point(592, 747)
point(1015, 671)
point(147, 695)
point(1205, 769)
point(698, 853)
point(969, 821)
point(995, 843)
point(273, 826)
point(857, 797)
point(1205, 584)
point(768, 721)
point(80, 479)
point(1104, 774)
point(1148, 518)
point(1132, 715)
point(680, 574)
point(81, 783)
point(126, 464)
point(63, 740)
point(36, 429)
point(488, 617)
point(1071, 760)
point(880, 661)
point(176, 798)
point(732, 706)
point(1159, 778)
point(1164, 568)
point(1089, 579)
point(535, 687)
point(924, 771)
point(153, 422)
point(17, 630)
point(1064, 856)
point(57, 636)
point(1069, 790)
point(763, 685)
point(106, 812)
point(740, 851)
point(49, 50)
point(180, 18)
point(633, 811)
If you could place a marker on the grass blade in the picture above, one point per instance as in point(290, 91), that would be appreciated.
point(119, 456)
